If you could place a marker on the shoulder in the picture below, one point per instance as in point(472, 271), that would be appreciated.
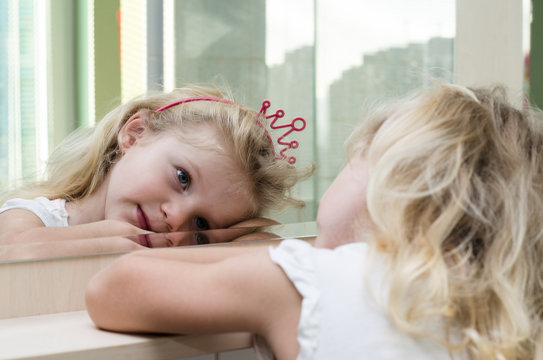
point(321, 276)
point(300, 259)
point(49, 212)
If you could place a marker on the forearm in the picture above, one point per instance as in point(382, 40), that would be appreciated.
point(145, 294)
point(66, 248)
point(85, 231)
point(153, 294)
point(201, 254)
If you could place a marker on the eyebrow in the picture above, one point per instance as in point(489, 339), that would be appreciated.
point(193, 167)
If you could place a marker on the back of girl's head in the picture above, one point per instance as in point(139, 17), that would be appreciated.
point(80, 164)
point(456, 196)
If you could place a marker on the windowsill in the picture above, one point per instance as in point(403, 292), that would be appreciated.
point(73, 334)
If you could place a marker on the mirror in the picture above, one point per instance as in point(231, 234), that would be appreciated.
point(311, 58)
point(253, 231)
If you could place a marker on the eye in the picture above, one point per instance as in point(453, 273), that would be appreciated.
point(201, 239)
point(201, 223)
point(184, 178)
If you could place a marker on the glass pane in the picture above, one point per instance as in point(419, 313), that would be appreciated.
point(27, 89)
point(368, 51)
point(18, 143)
point(319, 59)
point(221, 39)
point(4, 146)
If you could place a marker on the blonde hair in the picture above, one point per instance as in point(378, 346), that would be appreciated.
point(79, 165)
point(456, 196)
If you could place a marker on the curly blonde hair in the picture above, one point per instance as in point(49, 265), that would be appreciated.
point(79, 165)
point(456, 197)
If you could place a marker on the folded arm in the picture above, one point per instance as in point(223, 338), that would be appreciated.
point(19, 226)
point(193, 290)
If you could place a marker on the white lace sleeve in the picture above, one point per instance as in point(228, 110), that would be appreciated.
point(296, 259)
point(50, 212)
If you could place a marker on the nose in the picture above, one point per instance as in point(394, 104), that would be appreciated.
point(177, 215)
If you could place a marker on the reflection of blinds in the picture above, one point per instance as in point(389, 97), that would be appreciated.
point(13, 93)
point(4, 161)
point(23, 136)
point(26, 86)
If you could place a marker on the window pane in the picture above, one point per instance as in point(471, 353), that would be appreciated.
point(18, 143)
point(4, 146)
point(27, 93)
point(369, 51)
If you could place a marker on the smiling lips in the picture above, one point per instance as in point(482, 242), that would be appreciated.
point(142, 219)
point(144, 224)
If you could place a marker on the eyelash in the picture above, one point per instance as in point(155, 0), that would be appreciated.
point(201, 223)
point(201, 239)
point(186, 178)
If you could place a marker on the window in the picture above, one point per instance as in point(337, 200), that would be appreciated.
point(23, 135)
point(64, 64)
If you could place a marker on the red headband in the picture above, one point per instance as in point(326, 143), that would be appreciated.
point(196, 98)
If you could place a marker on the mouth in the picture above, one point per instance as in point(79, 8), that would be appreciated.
point(144, 240)
point(142, 219)
point(143, 223)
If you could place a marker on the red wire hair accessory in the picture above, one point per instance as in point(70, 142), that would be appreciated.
point(293, 144)
point(196, 98)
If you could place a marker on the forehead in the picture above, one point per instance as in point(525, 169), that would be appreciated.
point(226, 189)
point(205, 135)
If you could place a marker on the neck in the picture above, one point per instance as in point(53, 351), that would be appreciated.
point(90, 208)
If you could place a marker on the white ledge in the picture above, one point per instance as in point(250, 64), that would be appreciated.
point(71, 335)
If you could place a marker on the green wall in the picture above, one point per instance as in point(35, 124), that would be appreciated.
point(107, 67)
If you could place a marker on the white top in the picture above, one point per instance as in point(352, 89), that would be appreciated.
point(51, 212)
point(339, 319)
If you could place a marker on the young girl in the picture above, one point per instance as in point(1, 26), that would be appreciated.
point(191, 159)
point(445, 190)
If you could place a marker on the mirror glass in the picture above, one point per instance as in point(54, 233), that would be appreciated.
point(256, 230)
point(321, 59)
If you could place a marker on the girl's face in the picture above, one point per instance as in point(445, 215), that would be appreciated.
point(164, 184)
point(343, 207)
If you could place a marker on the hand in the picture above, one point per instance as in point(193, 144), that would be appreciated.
point(112, 228)
point(41, 234)
point(253, 229)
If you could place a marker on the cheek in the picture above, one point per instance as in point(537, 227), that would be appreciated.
point(326, 209)
point(340, 208)
point(129, 180)
point(334, 219)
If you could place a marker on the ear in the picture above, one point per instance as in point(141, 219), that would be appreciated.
point(133, 131)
